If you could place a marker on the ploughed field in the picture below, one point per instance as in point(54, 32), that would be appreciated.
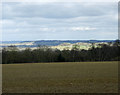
point(66, 77)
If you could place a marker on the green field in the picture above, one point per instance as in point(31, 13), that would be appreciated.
point(70, 77)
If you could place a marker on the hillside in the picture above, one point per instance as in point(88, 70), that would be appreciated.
point(55, 44)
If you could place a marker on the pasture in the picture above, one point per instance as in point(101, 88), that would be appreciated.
point(67, 77)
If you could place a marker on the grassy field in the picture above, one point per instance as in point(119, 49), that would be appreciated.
point(77, 77)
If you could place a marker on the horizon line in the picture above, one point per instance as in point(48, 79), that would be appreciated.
point(59, 40)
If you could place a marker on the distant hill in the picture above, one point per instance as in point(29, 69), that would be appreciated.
point(10, 42)
point(58, 42)
point(48, 42)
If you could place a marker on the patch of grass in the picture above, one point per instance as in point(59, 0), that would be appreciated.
point(68, 77)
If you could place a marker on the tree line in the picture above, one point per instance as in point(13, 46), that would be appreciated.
point(104, 52)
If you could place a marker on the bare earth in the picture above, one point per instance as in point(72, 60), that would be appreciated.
point(69, 77)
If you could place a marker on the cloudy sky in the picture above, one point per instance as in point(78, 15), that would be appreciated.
point(59, 21)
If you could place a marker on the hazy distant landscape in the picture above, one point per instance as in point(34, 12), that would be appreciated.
point(55, 44)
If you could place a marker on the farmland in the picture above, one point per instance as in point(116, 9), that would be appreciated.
point(54, 44)
point(67, 77)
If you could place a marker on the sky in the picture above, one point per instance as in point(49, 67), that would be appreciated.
point(59, 21)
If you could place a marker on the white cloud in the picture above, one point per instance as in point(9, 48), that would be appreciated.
point(82, 28)
point(44, 29)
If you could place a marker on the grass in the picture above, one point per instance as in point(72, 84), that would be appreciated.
point(69, 77)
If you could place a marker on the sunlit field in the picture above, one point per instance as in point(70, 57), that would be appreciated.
point(67, 77)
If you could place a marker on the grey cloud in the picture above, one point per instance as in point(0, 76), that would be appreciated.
point(57, 10)
point(56, 20)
